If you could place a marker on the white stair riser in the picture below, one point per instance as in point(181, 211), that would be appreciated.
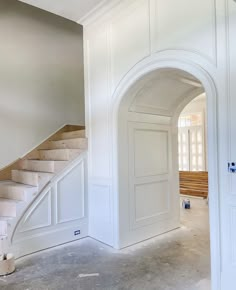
point(29, 178)
point(12, 192)
point(74, 153)
point(37, 165)
point(7, 209)
point(12, 195)
point(43, 165)
point(59, 154)
point(77, 143)
point(38, 179)
point(59, 165)
point(33, 155)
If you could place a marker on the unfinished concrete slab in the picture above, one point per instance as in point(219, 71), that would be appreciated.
point(179, 260)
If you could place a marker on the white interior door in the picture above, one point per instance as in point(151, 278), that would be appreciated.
point(152, 182)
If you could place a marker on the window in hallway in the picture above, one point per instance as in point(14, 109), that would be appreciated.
point(192, 140)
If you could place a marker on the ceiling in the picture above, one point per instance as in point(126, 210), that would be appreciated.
point(74, 10)
point(162, 91)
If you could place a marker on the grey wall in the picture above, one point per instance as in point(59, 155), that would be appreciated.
point(41, 77)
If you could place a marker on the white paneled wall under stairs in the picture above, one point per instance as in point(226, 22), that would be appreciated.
point(45, 202)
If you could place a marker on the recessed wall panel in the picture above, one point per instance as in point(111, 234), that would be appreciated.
point(70, 196)
point(39, 216)
point(130, 36)
point(151, 200)
point(185, 25)
point(98, 90)
point(151, 152)
point(101, 212)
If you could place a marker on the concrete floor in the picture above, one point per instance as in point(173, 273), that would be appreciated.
point(179, 260)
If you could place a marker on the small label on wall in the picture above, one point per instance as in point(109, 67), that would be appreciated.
point(232, 167)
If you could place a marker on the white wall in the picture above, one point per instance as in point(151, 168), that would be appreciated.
point(120, 45)
point(41, 77)
point(197, 105)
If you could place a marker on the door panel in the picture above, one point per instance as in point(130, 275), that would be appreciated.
point(153, 198)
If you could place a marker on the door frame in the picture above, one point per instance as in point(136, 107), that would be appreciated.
point(122, 101)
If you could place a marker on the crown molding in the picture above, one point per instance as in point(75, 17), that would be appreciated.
point(98, 11)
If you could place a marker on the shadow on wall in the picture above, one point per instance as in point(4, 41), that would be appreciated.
point(41, 77)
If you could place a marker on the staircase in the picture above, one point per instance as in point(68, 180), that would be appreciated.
point(33, 172)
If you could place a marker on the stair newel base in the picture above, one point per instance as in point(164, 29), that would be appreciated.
point(7, 260)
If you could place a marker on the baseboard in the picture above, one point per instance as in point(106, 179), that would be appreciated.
point(193, 197)
point(39, 242)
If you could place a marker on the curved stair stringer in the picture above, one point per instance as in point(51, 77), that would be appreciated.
point(55, 215)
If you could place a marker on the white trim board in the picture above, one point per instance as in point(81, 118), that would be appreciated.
point(146, 66)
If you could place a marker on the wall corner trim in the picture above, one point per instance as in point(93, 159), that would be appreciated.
point(97, 12)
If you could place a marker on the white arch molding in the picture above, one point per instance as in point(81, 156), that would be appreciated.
point(121, 100)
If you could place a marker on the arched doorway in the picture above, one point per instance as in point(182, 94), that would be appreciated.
point(146, 166)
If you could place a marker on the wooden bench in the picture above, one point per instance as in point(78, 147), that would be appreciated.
point(194, 183)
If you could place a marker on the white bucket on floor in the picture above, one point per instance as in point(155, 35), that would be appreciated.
point(7, 266)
